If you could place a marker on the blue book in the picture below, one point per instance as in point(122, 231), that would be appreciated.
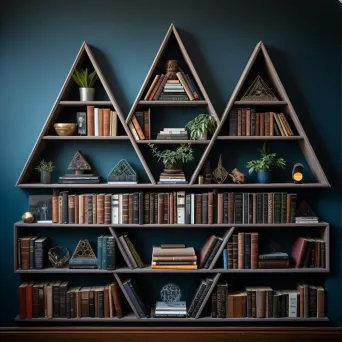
point(225, 259)
point(99, 251)
point(104, 252)
point(188, 209)
point(133, 299)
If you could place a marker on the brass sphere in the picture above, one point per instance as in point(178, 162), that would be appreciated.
point(27, 217)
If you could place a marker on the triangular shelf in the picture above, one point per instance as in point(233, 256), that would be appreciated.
point(84, 58)
point(275, 84)
point(171, 40)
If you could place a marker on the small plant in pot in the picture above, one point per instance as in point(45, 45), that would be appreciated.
point(86, 83)
point(264, 165)
point(45, 169)
point(200, 126)
point(173, 160)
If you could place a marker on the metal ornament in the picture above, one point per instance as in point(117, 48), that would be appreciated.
point(79, 164)
point(28, 217)
point(259, 91)
point(59, 256)
point(237, 176)
point(172, 69)
point(220, 173)
point(122, 172)
point(170, 293)
point(83, 250)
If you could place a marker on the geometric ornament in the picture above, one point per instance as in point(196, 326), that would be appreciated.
point(83, 250)
point(259, 91)
point(122, 172)
point(304, 210)
point(170, 293)
point(220, 173)
point(79, 163)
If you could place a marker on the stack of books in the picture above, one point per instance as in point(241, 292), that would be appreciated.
point(170, 310)
point(173, 134)
point(174, 257)
point(71, 178)
point(140, 125)
point(172, 178)
point(173, 91)
point(101, 122)
point(274, 260)
point(305, 214)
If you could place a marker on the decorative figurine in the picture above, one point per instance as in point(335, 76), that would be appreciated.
point(79, 164)
point(59, 256)
point(237, 176)
point(172, 69)
point(297, 173)
point(259, 91)
point(170, 293)
point(28, 217)
point(220, 173)
point(122, 173)
point(83, 250)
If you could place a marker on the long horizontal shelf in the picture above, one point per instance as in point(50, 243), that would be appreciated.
point(173, 103)
point(227, 137)
point(252, 226)
point(85, 103)
point(171, 142)
point(260, 103)
point(174, 186)
point(132, 318)
point(148, 269)
point(76, 137)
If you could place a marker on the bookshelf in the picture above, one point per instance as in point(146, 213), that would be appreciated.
point(63, 102)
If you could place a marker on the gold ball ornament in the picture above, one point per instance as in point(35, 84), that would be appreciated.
point(27, 217)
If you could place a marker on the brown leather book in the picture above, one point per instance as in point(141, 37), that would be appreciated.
point(130, 208)
point(318, 253)
point(28, 296)
point(206, 250)
point(55, 206)
point(254, 208)
point(273, 264)
point(220, 208)
point(125, 209)
point(147, 124)
point(156, 87)
point(248, 122)
point(106, 301)
point(86, 202)
point(60, 209)
point(230, 255)
point(116, 299)
point(243, 122)
point(198, 208)
point(101, 122)
point(210, 207)
point(320, 302)
point(22, 300)
point(230, 207)
point(235, 251)
point(257, 124)
point(175, 216)
point(270, 207)
point(108, 209)
point(77, 208)
point(137, 127)
point(171, 199)
point(185, 85)
point(111, 302)
point(90, 121)
point(100, 208)
point(239, 122)
point(261, 303)
point(94, 209)
point(286, 124)
point(236, 305)
point(254, 250)
point(241, 251)
point(78, 302)
point(25, 253)
point(160, 208)
point(84, 292)
point(81, 209)
point(175, 258)
point(106, 122)
point(150, 90)
point(299, 251)
point(267, 124)
point(271, 124)
point(262, 124)
point(166, 209)
point(160, 87)
point(173, 245)
point(71, 209)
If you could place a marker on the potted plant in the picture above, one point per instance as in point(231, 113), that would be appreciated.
point(45, 169)
point(86, 83)
point(173, 160)
point(200, 126)
point(263, 166)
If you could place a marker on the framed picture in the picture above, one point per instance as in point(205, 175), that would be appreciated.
point(41, 208)
point(81, 123)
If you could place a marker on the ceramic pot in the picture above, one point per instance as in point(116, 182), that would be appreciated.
point(45, 177)
point(204, 136)
point(263, 177)
point(87, 94)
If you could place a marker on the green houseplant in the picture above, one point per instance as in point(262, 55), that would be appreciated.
point(200, 126)
point(173, 160)
point(86, 83)
point(264, 165)
point(45, 169)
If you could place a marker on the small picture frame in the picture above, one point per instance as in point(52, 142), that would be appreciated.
point(81, 123)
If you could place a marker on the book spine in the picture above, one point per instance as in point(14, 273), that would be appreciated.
point(210, 208)
point(99, 252)
point(160, 211)
point(130, 208)
point(230, 207)
point(239, 124)
point(90, 209)
point(249, 303)
point(188, 209)
point(55, 206)
point(39, 255)
point(204, 208)
point(225, 207)
point(147, 208)
point(312, 301)
point(247, 250)
point(220, 208)
point(270, 208)
point(25, 253)
point(233, 123)
point(235, 247)
point(253, 122)
point(214, 304)
point(180, 207)
point(248, 122)
point(238, 208)
point(225, 259)
point(62, 301)
point(136, 208)
point(269, 308)
point(261, 304)
point(241, 250)
point(201, 299)
point(262, 124)
point(213, 253)
point(198, 295)
point(104, 252)
point(152, 208)
point(90, 121)
point(55, 298)
point(198, 208)
point(134, 252)
point(254, 250)
point(117, 301)
point(71, 209)
point(22, 302)
point(221, 300)
point(84, 303)
point(110, 253)
point(230, 255)
point(277, 207)
point(243, 122)
point(156, 208)
point(134, 300)
point(166, 209)
point(19, 253)
point(65, 218)
point(32, 253)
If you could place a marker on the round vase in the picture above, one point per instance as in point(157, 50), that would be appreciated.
point(87, 94)
point(45, 177)
point(263, 177)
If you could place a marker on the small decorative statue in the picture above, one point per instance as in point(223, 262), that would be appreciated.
point(237, 176)
point(220, 173)
point(172, 69)
point(28, 217)
point(59, 256)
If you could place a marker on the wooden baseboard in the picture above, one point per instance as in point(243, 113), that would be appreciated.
point(170, 334)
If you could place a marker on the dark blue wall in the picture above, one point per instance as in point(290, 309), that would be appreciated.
point(39, 41)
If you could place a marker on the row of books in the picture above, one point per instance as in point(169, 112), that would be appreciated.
point(182, 89)
point(309, 253)
point(101, 122)
point(246, 122)
point(173, 134)
point(140, 125)
point(263, 302)
point(58, 299)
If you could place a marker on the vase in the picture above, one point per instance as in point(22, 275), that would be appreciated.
point(45, 177)
point(87, 94)
point(263, 177)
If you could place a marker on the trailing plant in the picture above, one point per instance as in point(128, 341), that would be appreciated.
point(173, 159)
point(83, 79)
point(200, 124)
point(266, 162)
point(44, 166)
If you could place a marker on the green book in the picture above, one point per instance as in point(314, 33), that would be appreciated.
point(99, 251)
point(104, 252)
point(134, 252)
point(110, 255)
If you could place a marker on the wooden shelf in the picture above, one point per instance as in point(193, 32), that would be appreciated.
point(260, 103)
point(55, 270)
point(227, 137)
point(173, 142)
point(76, 137)
point(174, 186)
point(132, 318)
point(85, 103)
point(195, 103)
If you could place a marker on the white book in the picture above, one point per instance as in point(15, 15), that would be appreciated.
point(293, 296)
point(134, 132)
point(120, 208)
point(181, 207)
point(192, 208)
point(282, 126)
point(173, 129)
point(96, 122)
point(173, 312)
point(174, 90)
point(114, 124)
point(122, 182)
point(115, 209)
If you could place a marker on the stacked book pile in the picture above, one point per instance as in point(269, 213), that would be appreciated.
point(246, 122)
point(140, 125)
point(174, 257)
point(307, 219)
point(59, 299)
point(263, 302)
point(274, 260)
point(170, 310)
point(173, 134)
point(86, 178)
point(101, 122)
point(305, 214)
point(163, 89)
point(172, 178)
point(309, 253)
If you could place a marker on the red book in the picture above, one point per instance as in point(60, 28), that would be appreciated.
point(29, 300)
point(262, 124)
point(299, 251)
point(22, 300)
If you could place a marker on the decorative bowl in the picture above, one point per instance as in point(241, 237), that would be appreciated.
point(65, 129)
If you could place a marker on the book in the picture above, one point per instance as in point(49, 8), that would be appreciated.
point(90, 121)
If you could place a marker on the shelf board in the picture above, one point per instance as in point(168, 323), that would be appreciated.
point(76, 137)
point(194, 103)
point(173, 186)
point(260, 103)
point(65, 270)
point(172, 142)
point(251, 226)
point(85, 103)
point(132, 318)
point(226, 137)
